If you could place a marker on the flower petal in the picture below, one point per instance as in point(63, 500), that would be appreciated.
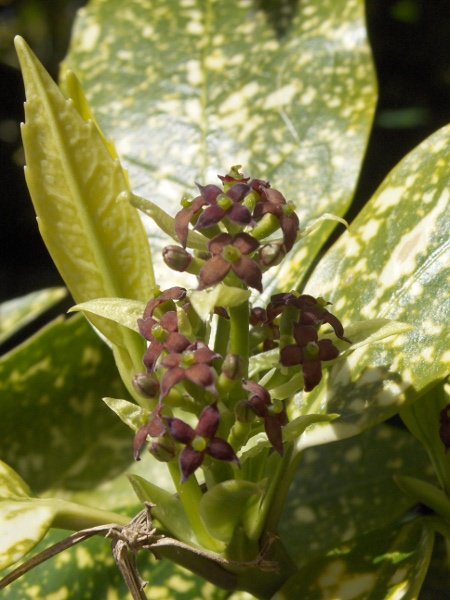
point(239, 214)
point(179, 430)
point(257, 390)
point(152, 354)
point(291, 355)
point(211, 216)
point(203, 376)
point(221, 450)
point(218, 243)
point(274, 432)
point(245, 243)
point(209, 192)
point(190, 460)
point(249, 272)
point(303, 334)
point(183, 218)
point(214, 271)
point(312, 373)
point(171, 378)
point(208, 422)
point(327, 350)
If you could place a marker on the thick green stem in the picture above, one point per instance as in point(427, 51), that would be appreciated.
point(239, 326)
point(190, 495)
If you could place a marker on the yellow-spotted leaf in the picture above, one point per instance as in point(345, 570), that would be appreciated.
point(390, 564)
point(16, 313)
point(97, 242)
point(54, 428)
point(189, 89)
point(393, 263)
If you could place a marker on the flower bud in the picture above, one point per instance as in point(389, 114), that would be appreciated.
point(163, 449)
point(146, 385)
point(244, 412)
point(177, 258)
point(272, 254)
point(233, 367)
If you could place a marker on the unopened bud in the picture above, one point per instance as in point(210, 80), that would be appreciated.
point(233, 367)
point(244, 412)
point(177, 258)
point(163, 449)
point(146, 385)
point(272, 254)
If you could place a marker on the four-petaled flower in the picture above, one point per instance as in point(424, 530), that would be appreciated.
point(309, 352)
point(274, 415)
point(221, 205)
point(273, 202)
point(230, 253)
point(200, 441)
point(192, 364)
point(162, 335)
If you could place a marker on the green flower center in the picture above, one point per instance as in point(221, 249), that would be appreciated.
point(187, 359)
point(224, 201)
point(311, 350)
point(231, 254)
point(288, 209)
point(186, 201)
point(275, 408)
point(199, 443)
point(159, 333)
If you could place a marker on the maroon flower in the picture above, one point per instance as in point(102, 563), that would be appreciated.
point(200, 441)
point(273, 202)
point(184, 217)
point(274, 415)
point(309, 352)
point(230, 253)
point(312, 311)
point(192, 364)
point(224, 205)
point(173, 293)
point(162, 335)
point(154, 428)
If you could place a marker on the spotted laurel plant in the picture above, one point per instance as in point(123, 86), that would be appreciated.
point(255, 372)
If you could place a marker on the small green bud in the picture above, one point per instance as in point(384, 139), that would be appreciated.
point(163, 449)
point(272, 254)
point(233, 367)
point(244, 412)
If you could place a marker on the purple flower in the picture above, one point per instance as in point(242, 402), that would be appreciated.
point(231, 253)
point(192, 364)
point(309, 352)
point(162, 335)
point(274, 415)
point(274, 203)
point(200, 441)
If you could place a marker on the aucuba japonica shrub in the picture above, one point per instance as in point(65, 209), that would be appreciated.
point(256, 374)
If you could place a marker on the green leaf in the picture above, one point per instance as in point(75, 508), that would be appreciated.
point(424, 492)
point(423, 420)
point(120, 310)
point(54, 428)
point(345, 489)
point(18, 312)
point(96, 241)
point(189, 90)
point(229, 504)
point(389, 564)
point(131, 414)
point(205, 301)
point(168, 508)
point(393, 263)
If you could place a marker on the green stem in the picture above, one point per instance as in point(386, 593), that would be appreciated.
point(222, 337)
point(272, 505)
point(239, 327)
point(75, 517)
point(190, 495)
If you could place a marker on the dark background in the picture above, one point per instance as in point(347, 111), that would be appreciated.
point(411, 45)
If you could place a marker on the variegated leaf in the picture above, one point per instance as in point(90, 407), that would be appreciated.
point(97, 242)
point(16, 313)
point(187, 90)
point(393, 263)
point(54, 428)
